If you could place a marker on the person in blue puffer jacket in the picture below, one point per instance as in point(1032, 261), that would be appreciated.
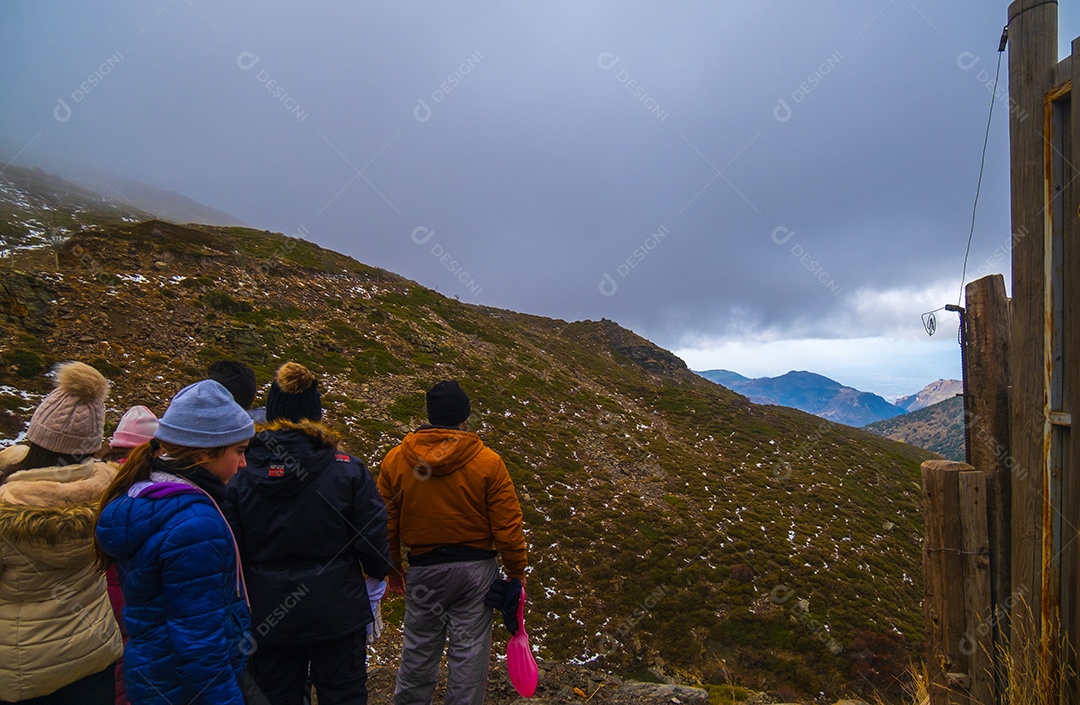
point(185, 604)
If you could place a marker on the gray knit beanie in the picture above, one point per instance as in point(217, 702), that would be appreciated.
point(204, 415)
point(71, 419)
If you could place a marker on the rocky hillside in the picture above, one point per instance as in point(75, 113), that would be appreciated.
point(676, 530)
point(939, 428)
point(931, 394)
point(39, 210)
point(167, 205)
point(813, 393)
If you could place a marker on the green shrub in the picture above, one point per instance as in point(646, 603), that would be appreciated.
point(106, 368)
point(407, 409)
point(677, 502)
point(196, 282)
point(225, 303)
point(212, 354)
point(727, 694)
point(26, 363)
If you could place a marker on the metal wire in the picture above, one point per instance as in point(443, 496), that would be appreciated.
point(982, 161)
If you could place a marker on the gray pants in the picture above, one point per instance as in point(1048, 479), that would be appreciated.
point(441, 599)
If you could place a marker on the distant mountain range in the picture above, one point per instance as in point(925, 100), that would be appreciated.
point(813, 393)
point(932, 418)
point(933, 393)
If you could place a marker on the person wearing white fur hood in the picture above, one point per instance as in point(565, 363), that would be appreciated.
point(58, 637)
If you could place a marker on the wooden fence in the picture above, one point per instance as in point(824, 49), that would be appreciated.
point(968, 515)
point(1002, 574)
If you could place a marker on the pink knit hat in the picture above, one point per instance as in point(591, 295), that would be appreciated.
point(71, 418)
point(137, 426)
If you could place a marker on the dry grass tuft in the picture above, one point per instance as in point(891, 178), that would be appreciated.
point(1034, 669)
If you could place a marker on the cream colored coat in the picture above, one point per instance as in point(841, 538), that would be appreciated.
point(56, 623)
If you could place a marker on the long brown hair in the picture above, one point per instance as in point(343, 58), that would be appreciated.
point(108, 454)
point(137, 469)
point(40, 457)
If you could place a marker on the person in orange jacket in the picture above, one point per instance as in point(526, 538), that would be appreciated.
point(451, 502)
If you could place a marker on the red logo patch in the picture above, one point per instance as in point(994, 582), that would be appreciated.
point(276, 471)
point(342, 458)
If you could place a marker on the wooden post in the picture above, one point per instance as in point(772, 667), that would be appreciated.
point(944, 603)
point(987, 384)
point(1032, 61)
point(977, 641)
point(1071, 371)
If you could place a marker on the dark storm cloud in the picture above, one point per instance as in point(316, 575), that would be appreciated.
point(689, 170)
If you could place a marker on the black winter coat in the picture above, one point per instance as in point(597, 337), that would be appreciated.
point(306, 517)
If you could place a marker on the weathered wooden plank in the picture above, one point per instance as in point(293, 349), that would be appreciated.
point(1064, 71)
point(987, 351)
point(977, 642)
point(933, 576)
point(944, 604)
point(1032, 60)
point(1071, 372)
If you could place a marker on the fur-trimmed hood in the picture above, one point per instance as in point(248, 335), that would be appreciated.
point(54, 504)
point(285, 456)
point(317, 431)
point(46, 525)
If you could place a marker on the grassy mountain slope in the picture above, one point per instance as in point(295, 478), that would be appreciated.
point(939, 428)
point(167, 205)
point(34, 203)
point(672, 524)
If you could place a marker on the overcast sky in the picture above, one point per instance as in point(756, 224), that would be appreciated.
point(759, 186)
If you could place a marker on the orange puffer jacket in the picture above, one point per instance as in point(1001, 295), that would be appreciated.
point(444, 486)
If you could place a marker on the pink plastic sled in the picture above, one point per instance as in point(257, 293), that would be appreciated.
point(519, 658)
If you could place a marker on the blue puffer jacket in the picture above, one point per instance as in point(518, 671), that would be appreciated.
point(184, 608)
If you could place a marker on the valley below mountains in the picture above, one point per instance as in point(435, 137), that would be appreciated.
point(938, 428)
point(932, 418)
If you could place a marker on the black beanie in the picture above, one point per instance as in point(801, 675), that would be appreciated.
point(447, 404)
point(294, 395)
